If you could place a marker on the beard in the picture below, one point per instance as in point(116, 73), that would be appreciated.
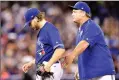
point(36, 28)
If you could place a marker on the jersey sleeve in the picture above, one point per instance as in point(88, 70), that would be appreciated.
point(91, 35)
point(54, 38)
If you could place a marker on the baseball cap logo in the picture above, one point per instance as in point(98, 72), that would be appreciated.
point(82, 8)
point(32, 16)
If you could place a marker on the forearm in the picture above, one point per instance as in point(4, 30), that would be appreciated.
point(80, 48)
point(56, 56)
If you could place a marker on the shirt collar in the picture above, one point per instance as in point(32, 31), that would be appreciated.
point(84, 24)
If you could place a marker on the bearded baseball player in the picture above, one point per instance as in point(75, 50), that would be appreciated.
point(94, 58)
point(49, 47)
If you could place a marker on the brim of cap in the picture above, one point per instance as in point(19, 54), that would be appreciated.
point(24, 27)
point(27, 24)
point(72, 7)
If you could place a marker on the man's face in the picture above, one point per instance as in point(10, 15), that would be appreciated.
point(34, 24)
point(77, 15)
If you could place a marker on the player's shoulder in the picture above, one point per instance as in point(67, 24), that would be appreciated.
point(93, 25)
point(50, 26)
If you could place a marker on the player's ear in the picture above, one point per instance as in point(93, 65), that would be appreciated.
point(36, 19)
point(41, 16)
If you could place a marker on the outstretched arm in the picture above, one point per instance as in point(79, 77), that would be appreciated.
point(80, 48)
point(82, 45)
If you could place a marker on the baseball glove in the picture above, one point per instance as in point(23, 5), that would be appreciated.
point(41, 72)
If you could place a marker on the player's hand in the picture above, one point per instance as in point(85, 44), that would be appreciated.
point(27, 66)
point(47, 67)
point(69, 60)
point(63, 62)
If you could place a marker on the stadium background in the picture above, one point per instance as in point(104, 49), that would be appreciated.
point(18, 48)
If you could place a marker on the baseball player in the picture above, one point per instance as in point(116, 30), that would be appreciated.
point(49, 46)
point(94, 59)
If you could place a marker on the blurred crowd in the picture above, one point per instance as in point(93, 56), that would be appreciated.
point(18, 44)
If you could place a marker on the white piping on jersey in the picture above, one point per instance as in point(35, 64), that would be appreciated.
point(58, 45)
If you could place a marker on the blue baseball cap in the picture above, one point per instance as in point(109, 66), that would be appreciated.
point(82, 6)
point(30, 14)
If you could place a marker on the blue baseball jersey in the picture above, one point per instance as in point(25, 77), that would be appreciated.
point(48, 40)
point(96, 60)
